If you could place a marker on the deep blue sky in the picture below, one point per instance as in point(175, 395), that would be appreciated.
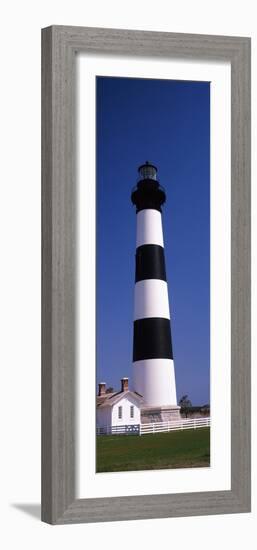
point(168, 123)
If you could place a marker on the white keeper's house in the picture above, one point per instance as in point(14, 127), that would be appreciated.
point(122, 408)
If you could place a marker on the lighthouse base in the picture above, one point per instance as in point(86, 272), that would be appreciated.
point(166, 413)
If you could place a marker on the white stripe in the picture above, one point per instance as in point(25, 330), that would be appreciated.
point(151, 299)
point(149, 227)
point(154, 379)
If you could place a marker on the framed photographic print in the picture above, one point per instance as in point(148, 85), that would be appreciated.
point(145, 274)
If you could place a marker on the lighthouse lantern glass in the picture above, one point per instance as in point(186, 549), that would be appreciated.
point(147, 171)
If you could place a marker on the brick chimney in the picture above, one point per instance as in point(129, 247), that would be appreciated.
point(124, 384)
point(101, 389)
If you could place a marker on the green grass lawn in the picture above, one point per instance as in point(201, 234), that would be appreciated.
point(181, 449)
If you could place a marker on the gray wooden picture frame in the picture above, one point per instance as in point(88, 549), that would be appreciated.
point(59, 47)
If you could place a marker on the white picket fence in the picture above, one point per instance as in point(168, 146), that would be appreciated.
point(126, 429)
point(155, 427)
point(183, 424)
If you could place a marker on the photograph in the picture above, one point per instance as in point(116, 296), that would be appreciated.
point(152, 274)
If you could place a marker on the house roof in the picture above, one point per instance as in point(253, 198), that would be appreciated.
point(109, 399)
point(101, 398)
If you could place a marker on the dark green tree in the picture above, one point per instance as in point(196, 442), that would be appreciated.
point(185, 404)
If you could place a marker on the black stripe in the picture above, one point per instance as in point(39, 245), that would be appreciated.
point(152, 339)
point(148, 194)
point(150, 262)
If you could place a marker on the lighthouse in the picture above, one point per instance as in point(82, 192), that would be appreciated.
point(153, 365)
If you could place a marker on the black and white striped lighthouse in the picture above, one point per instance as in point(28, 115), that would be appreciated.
point(153, 368)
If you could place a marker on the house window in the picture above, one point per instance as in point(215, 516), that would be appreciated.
point(132, 411)
point(119, 412)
